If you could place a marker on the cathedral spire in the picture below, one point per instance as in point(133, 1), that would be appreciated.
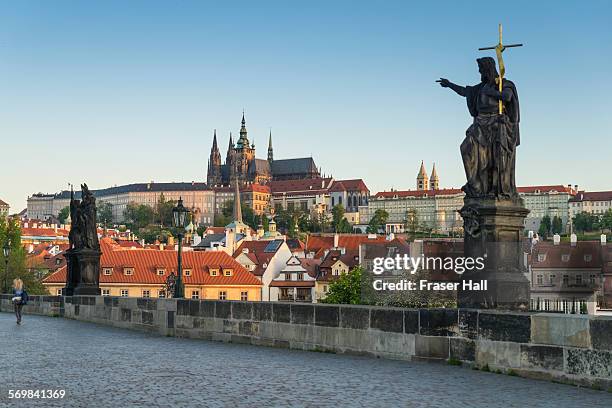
point(243, 141)
point(434, 180)
point(215, 147)
point(270, 150)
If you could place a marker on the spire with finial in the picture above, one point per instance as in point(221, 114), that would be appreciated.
point(243, 141)
point(237, 206)
point(214, 163)
point(270, 150)
point(422, 179)
point(434, 180)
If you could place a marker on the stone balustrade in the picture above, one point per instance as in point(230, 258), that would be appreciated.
point(569, 348)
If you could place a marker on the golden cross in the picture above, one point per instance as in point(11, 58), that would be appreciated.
point(499, 48)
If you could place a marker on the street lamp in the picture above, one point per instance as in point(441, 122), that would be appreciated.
point(6, 251)
point(179, 218)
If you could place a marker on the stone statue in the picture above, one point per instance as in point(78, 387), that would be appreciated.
point(83, 231)
point(83, 257)
point(493, 213)
point(489, 148)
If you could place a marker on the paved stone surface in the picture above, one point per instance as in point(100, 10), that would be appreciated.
point(121, 368)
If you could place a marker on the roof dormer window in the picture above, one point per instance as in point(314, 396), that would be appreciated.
point(161, 271)
point(107, 271)
point(228, 272)
point(214, 272)
point(187, 272)
point(128, 271)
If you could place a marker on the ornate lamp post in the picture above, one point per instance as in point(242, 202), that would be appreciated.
point(6, 251)
point(179, 218)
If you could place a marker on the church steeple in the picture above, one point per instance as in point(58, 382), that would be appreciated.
point(422, 179)
point(243, 141)
point(237, 206)
point(230, 150)
point(434, 180)
point(270, 150)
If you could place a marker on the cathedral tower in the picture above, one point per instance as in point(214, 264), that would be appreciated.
point(434, 180)
point(422, 180)
point(213, 176)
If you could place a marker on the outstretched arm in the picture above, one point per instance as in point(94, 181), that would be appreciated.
point(445, 83)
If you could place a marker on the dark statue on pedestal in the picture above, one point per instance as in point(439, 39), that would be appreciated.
point(493, 213)
point(83, 257)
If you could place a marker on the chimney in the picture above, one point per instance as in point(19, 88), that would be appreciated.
point(161, 246)
point(603, 239)
point(556, 239)
point(336, 240)
point(31, 248)
point(573, 239)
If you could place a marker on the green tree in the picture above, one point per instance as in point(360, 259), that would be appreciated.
point(606, 220)
point(585, 222)
point(557, 225)
point(412, 222)
point(104, 213)
point(163, 211)
point(227, 215)
point(346, 289)
point(378, 221)
point(63, 215)
point(337, 216)
point(10, 231)
point(545, 227)
point(138, 216)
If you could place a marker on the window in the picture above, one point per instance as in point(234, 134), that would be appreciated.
point(244, 296)
point(146, 293)
point(187, 272)
point(227, 272)
point(566, 279)
point(214, 272)
point(578, 279)
point(539, 279)
point(107, 271)
point(336, 272)
point(541, 257)
point(59, 292)
point(124, 292)
point(195, 294)
point(287, 276)
point(161, 272)
point(552, 278)
point(222, 295)
point(565, 257)
point(588, 258)
point(300, 276)
point(161, 294)
point(128, 271)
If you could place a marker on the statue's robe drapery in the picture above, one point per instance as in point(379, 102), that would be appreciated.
point(488, 150)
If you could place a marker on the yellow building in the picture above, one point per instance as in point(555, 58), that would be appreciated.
point(135, 272)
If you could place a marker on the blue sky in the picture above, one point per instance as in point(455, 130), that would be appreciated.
point(118, 92)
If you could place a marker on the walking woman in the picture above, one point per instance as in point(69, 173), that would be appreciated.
point(20, 298)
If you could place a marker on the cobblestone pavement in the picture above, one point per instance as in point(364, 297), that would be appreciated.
point(99, 366)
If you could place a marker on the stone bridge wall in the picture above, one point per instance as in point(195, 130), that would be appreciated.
point(569, 348)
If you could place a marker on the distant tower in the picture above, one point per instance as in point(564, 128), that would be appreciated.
point(230, 150)
point(270, 150)
point(244, 155)
point(214, 163)
point(422, 180)
point(434, 180)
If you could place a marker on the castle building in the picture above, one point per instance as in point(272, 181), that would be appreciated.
point(422, 180)
point(242, 165)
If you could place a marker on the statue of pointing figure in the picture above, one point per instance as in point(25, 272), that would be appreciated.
point(489, 148)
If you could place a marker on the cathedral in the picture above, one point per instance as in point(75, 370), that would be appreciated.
point(242, 165)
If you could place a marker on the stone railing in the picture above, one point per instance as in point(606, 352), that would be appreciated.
point(569, 348)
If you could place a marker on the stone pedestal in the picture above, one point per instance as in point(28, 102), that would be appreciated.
point(494, 231)
point(83, 272)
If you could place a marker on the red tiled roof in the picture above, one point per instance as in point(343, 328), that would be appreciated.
point(215, 230)
point(318, 243)
point(578, 255)
point(349, 185)
point(256, 254)
point(316, 185)
point(546, 189)
point(418, 193)
point(43, 232)
point(592, 196)
point(146, 262)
